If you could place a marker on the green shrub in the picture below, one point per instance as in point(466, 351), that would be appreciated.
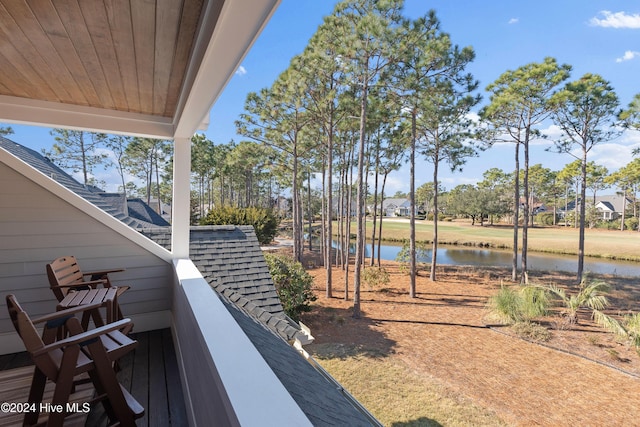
point(545, 218)
point(375, 277)
point(535, 302)
point(293, 284)
point(608, 224)
point(505, 306)
point(422, 253)
point(264, 222)
point(631, 223)
point(441, 217)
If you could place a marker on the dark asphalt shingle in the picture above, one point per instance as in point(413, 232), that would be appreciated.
point(139, 212)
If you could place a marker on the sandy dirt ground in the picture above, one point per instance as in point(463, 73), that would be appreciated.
point(582, 376)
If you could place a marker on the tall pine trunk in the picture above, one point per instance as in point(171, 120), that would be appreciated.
point(375, 207)
point(360, 236)
point(525, 214)
point(297, 255)
point(434, 250)
point(384, 182)
point(516, 214)
point(412, 216)
point(583, 193)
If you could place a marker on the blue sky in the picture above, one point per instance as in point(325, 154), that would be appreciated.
point(592, 36)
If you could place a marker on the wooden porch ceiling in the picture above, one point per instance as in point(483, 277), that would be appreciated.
point(134, 62)
point(117, 55)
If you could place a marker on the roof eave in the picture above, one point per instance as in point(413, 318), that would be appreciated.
point(219, 49)
point(237, 28)
point(56, 115)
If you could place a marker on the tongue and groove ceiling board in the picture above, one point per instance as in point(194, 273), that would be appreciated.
point(135, 61)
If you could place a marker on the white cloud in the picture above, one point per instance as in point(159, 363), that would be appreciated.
point(514, 20)
point(613, 156)
point(396, 181)
point(241, 71)
point(616, 20)
point(631, 137)
point(628, 55)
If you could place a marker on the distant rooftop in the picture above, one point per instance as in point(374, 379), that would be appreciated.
point(140, 214)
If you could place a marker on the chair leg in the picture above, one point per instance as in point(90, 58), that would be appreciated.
point(36, 393)
point(97, 318)
point(64, 385)
point(103, 397)
point(109, 383)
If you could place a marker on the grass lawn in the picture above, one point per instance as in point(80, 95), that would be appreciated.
point(611, 244)
point(415, 401)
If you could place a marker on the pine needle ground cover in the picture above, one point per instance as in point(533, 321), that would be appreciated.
point(437, 360)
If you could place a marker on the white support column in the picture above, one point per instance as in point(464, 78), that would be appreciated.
point(181, 204)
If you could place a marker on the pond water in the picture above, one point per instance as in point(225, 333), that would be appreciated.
point(462, 255)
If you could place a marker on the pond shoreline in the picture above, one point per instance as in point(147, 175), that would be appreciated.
point(496, 238)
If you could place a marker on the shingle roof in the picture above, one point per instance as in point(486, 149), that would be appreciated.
point(230, 259)
point(323, 401)
point(614, 202)
point(136, 208)
point(105, 201)
point(608, 205)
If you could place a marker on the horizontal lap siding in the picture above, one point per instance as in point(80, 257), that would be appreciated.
point(36, 227)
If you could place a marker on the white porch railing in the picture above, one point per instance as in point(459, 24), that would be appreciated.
point(225, 379)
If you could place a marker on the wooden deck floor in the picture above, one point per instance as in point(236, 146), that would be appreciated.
point(150, 373)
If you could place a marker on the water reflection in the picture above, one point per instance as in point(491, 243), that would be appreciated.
point(456, 255)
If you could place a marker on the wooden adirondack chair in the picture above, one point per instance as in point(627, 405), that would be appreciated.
point(63, 361)
point(65, 276)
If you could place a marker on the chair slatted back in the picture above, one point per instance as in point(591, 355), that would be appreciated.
point(31, 338)
point(63, 271)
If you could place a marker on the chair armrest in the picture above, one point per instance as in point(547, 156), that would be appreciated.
point(102, 272)
point(66, 312)
point(91, 284)
point(80, 338)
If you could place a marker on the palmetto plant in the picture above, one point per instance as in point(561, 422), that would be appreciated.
point(514, 305)
point(632, 326)
point(591, 296)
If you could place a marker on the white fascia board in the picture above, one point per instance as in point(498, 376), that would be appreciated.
point(85, 206)
point(238, 26)
point(57, 115)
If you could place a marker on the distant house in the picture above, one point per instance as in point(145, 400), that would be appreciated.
point(283, 206)
point(609, 206)
point(612, 206)
point(396, 207)
point(539, 207)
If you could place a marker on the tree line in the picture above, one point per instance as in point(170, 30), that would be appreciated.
point(374, 89)
point(558, 191)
